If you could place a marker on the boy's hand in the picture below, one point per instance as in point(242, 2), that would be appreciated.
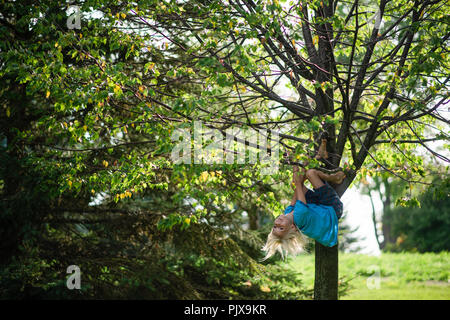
point(298, 176)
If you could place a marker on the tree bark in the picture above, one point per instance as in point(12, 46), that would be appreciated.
point(326, 258)
point(253, 220)
point(386, 224)
point(374, 220)
point(326, 273)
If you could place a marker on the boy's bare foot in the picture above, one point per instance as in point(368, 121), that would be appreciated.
point(322, 152)
point(338, 177)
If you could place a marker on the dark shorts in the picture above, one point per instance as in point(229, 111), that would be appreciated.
point(326, 196)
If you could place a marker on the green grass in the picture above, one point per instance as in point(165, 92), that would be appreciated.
point(391, 276)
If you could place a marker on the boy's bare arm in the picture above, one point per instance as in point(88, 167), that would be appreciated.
point(298, 179)
point(294, 197)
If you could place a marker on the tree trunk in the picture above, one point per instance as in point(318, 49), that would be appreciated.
point(374, 220)
point(253, 219)
point(327, 259)
point(386, 224)
point(326, 275)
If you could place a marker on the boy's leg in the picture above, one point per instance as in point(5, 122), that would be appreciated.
point(317, 177)
point(310, 196)
point(324, 193)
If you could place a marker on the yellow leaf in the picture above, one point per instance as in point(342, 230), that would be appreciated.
point(8, 112)
point(69, 183)
point(203, 176)
point(117, 89)
point(105, 163)
point(315, 40)
point(187, 221)
point(47, 94)
point(56, 45)
point(264, 289)
point(85, 127)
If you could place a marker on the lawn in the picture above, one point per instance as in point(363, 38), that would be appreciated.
point(392, 276)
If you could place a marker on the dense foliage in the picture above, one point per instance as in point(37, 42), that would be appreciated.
point(423, 228)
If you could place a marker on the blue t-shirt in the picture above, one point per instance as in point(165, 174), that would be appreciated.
point(317, 221)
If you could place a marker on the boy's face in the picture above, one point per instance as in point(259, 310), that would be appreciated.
point(282, 225)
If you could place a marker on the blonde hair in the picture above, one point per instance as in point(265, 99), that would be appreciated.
point(294, 242)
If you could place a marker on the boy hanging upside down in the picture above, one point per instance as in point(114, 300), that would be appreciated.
point(311, 213)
